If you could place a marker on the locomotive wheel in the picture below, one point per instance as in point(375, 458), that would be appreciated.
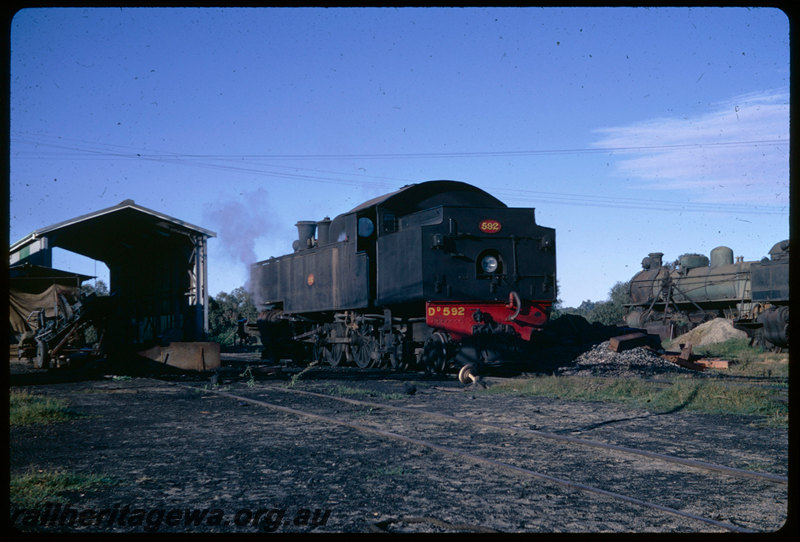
point(362, 352)
point(333, 354)
point(435, 352)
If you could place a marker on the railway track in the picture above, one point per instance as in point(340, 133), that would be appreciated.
point(518, 448)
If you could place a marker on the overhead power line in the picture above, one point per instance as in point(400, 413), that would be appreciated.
point(251, 164)
point(387, 156)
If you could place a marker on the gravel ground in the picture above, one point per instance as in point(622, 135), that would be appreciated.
point(176, 452)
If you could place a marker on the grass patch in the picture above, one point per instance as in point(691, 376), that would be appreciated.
point(358, 392)
point(388, 472)
point(26, 408)
point(298, 376)
point(36, 488)
point(748, 360)
point(699, 395)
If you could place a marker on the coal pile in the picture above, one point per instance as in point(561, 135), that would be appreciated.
point(636, 362)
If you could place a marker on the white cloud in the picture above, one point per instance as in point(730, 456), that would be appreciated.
point(737, 152)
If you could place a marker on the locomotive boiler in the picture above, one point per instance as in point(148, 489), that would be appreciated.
point(438, 274)
point(754, 295)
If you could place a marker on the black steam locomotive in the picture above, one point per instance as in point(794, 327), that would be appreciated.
point(438, 274)
point(671, 299)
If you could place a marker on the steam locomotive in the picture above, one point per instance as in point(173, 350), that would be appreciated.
point(671, 299)
point(439, 275)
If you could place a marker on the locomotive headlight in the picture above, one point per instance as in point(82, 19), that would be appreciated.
point(489, 264)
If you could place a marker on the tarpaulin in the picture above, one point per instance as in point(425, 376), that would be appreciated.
point(21, 304)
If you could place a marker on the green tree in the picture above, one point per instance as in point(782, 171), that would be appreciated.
point(611, 311)
point(224, 312)
point(581, 310)
point(91, 334)
point(620, 293)
point(99, 288)
point(557, 309)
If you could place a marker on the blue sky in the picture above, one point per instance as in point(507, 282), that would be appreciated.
point(630, 130)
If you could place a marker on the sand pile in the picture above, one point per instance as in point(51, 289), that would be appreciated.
point(715, 331)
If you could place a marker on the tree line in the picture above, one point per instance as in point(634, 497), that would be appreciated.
point(609, 312)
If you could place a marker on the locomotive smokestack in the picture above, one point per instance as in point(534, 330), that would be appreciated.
point(322, 231)
point(305, 233)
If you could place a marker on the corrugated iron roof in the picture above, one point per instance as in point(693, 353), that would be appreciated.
point(96, 234)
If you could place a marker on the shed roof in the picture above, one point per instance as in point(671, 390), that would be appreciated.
point(101, 234)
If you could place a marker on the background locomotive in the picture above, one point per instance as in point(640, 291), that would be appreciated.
point(437, 274)
point(671, 299)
